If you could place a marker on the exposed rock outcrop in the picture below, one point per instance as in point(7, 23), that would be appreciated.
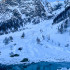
point(13, 10)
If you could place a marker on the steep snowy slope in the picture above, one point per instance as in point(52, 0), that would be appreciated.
point(40, 42)
point(36, 42)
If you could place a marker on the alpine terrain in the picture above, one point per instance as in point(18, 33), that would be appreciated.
point(34, 31)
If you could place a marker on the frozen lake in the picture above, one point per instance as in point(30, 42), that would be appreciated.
point(38, 66)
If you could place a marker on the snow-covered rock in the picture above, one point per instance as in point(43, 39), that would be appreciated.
point(18, 12)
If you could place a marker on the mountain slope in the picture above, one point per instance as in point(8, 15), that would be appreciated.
point(37, 42)
point(32, 48)
point(17, 14)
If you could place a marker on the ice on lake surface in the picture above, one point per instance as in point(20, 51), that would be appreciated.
point(38, 66)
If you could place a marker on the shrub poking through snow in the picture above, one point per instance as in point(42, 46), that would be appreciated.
point(43, 37)
point(23, 35)
point(14, 55)
point(6, 41)
point(61, 29)
point(59, 44)
point(10, 38)
point(14, 44)
point(38, 40)
point(20, 48)
point(24, 60)
point(41, 30)
point(67, 45)
point(0, 52)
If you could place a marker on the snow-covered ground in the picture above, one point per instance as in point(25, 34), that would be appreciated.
point(41, 42)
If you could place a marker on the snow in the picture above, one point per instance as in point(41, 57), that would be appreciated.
point(63, 69)
point(46, 50)
point(51, 47)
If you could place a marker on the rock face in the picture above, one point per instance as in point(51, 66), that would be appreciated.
point(62, 16)
point(15, 9)
point(28, 7)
